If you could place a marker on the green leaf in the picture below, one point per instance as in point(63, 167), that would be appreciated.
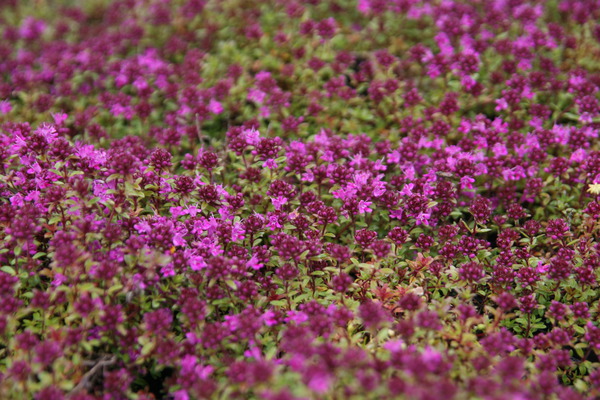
point(386, 271)
point(579, 329)
point(45, 378)
point(133, 190)
point(9, 270)
point(581, 386)
point(147, 348)
point(66, 385)
point(115, 288)
point(113, 177)
point(231, 284)
point(54, 220)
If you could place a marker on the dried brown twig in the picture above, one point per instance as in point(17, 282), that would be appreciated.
point(99, 365)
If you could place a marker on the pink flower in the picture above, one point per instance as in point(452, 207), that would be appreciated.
point(586, 118)
point(17, 200)
point(308, 176)
point(264, 112)
point(121, 80)
point(361, 178)
point(143, 227)
point(176, 212)
point(378, 188)
point(278, 202)
point(466, 182)
point(34, 196)
point(59, 279)
point(296, 316)
point(364, 6)
point(397, 214)
point(433, 71)
point(215, 107)
point(273, 223)
point(578, 155)
point(167, 271)
point(140, 83)
point(542, 268)
point(379, 166)
point(47, 131)
point(32, 28)
point(178, 239)
point(363, 207)
point(393, 157)
point(501, 104)
point(423, 218)
point(468, 82)
point(5, 107)
point(181, 395)
point(431, 357)
point(328, 156)
point(252, 136)
point(409, 171)
point(269, 318)
point(270, 163)
point(60, 117)
point(254, 264)
point(225, 213)
point(256, 96)
point(407, 189)
point(196, 263)
point(394, 345)
point(319, 383)
point(443, 43)
point(192, 338)
point(514, 174)
point(345, 193)
point(192, 211)
point(499, 149)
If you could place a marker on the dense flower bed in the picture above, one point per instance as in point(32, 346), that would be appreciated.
point(299, 199)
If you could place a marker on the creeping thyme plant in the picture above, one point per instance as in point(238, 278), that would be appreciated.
point(299, 199)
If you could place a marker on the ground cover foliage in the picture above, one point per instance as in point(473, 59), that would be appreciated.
point(299, 199)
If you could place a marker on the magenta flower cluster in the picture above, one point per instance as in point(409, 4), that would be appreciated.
point(300, 199)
